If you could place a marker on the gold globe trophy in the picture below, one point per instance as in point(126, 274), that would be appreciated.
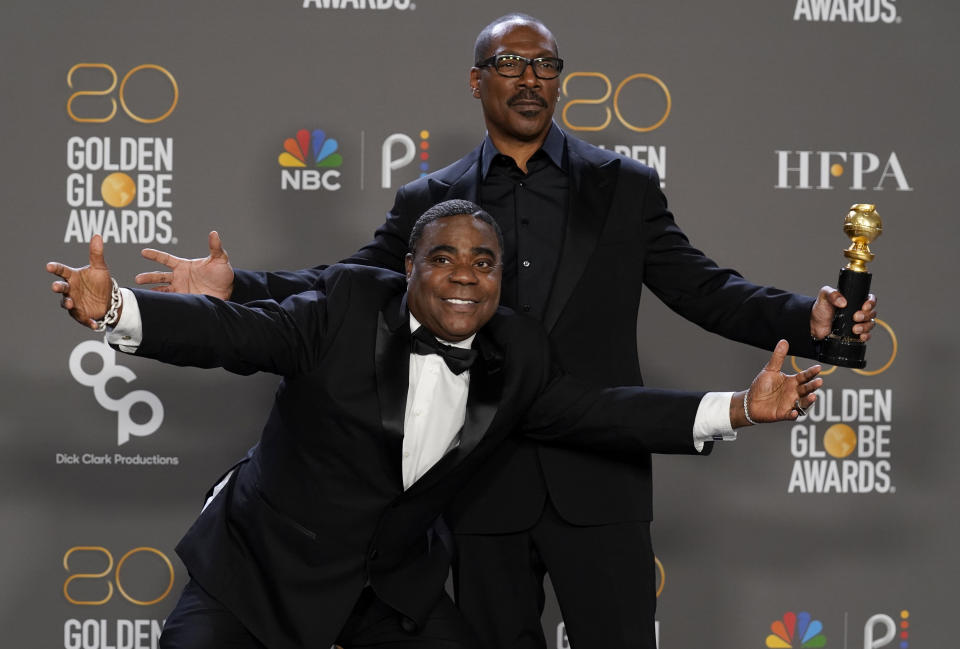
point(843, 347)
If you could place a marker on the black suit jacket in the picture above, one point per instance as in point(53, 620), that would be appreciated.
point(318, 510)
point(619, 237)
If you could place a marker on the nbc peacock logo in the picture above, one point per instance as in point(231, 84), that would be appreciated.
point(310, 161)
point(796, 631)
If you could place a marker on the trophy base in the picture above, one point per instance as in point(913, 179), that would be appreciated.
point(843, 352)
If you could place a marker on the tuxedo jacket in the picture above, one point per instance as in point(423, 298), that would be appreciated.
point(319, 510)
point(619, 236)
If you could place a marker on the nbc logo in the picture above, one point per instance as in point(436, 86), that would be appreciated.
point(800, 631)
point(309, 162)
point(796, 631)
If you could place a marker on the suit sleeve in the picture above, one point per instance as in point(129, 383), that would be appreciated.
point(287, 338)
point(718, 299)
point(570, 412)
point(387, 250)
point(627, 420)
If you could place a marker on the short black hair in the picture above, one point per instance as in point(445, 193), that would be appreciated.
point(456, 207)
point(481, 48)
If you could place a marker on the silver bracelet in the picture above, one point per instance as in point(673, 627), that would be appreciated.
point(746, 412)
point(112, 316)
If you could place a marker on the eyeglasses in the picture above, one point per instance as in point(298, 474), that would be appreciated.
point(512, 65)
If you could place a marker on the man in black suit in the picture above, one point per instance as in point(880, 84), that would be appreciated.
point(585, 229)
point(330, 531)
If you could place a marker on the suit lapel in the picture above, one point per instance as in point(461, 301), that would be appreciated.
point(462, 180)
point(591, 190)
point(486, 387)
point(393, 370)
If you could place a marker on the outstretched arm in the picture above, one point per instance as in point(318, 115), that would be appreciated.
point(199, 330)
point(622, 419)
point(85, 292)
point(211, 275)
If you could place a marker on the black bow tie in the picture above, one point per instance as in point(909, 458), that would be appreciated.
point(457, 359)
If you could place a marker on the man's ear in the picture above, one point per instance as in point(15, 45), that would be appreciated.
point(475, 81)
point(408, 265)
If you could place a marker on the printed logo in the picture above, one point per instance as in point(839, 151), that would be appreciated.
point(852, 453)
point(880, 630)
point(143, 576)
point(126, 426)
point(120, 187)
point(391, 163)
point(376, 5)
point(842, 444)
point(123, 406)
point(796, 170)
point(847, 11)
point(796, 631)
point(309, 162)
point(641, 103)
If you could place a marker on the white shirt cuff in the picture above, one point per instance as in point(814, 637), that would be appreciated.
point(713, 419)
point(128, 332)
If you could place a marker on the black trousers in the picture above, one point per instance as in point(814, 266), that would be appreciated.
point(199, 621)
point(603, 576)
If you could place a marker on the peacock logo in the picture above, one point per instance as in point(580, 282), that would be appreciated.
point(310, 161)
point(796, 631)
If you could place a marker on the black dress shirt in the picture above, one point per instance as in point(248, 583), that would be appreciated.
point(531, 209)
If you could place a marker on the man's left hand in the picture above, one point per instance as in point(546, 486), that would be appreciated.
point(828, 301)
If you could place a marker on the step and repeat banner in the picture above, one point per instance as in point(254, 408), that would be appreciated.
point(288, 126)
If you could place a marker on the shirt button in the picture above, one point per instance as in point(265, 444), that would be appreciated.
point(522, 185)
point(524, 221)
point(526, 263)
point(526, 307)
point(416, 413)
point(406, 454)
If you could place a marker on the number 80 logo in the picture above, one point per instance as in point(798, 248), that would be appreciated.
point(116, 575)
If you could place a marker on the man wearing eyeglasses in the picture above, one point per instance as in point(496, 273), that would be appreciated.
point(584, 519)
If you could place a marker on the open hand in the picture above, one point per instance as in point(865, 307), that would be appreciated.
point(775, 396)
point(211, 275)
point(85, 291)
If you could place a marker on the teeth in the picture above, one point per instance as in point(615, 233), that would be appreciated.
point(456, 301)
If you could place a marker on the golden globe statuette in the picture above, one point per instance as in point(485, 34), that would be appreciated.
point(843, 347)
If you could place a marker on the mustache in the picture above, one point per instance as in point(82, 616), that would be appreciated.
point(527, 95)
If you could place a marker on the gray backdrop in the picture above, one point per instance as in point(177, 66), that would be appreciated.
point(782, 113)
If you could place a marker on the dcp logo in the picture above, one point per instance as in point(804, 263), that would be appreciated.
point(98, 381)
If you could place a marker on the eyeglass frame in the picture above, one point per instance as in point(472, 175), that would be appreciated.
point(492, 62)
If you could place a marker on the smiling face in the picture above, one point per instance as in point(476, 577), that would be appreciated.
point(453, 276)
point(517, 109)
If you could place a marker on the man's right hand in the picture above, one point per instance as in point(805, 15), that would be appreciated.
point(84, 292)
point(211, 275)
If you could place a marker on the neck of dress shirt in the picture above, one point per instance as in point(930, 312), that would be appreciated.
point(435, 411)
point(531, 209)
